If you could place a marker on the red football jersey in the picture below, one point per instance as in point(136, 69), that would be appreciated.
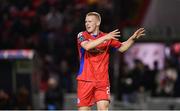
point(94, 63)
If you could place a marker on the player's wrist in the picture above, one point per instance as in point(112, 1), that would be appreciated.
point(133, 38)
point(106, 37)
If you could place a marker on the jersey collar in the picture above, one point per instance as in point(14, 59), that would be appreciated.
point(94, 36)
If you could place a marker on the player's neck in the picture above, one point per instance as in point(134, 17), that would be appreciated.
point(96, 32)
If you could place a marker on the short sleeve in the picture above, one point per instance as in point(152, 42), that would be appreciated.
point(115, 44)
point(80, 38)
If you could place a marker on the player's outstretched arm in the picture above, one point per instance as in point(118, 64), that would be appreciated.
point(87, 45)
point(127, 44)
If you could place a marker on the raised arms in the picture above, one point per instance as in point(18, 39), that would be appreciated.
point(128, 43)
point(87, 45)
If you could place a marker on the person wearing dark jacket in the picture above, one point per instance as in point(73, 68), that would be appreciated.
point(53, 96)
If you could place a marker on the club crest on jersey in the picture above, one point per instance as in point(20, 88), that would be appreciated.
point(80, 37)
point(80, 34)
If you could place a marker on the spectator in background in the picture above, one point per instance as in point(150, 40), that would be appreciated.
point(4, 100)
point(152, 78)
point(66, 75)
point(54, 19)
point(22, 99)
point(126, 86)
point(54, 96)
point(166, 79)
point(138, 74)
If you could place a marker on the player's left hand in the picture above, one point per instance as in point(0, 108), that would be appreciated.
point(139, 33)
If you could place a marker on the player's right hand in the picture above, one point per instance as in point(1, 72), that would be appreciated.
point(113, 35)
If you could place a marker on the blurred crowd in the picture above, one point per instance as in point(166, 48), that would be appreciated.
point(20, 100)
point(50, 27)
point(140, 82)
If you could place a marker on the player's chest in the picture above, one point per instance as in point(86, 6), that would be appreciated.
point(103, 47)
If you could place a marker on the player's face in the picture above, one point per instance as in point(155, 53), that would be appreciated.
point(91, 23)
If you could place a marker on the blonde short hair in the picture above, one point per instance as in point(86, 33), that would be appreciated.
point(95, 14)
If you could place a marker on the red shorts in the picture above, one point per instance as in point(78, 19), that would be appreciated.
point(89, 92)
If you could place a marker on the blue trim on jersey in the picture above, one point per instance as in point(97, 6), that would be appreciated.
point(114, 49)
point(94, 36)
point(82, 50)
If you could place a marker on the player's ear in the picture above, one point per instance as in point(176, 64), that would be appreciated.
point(98, 23)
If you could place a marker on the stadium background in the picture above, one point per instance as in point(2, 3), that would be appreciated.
point(39, 59)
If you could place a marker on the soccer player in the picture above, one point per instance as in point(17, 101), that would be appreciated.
point(93, 46)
